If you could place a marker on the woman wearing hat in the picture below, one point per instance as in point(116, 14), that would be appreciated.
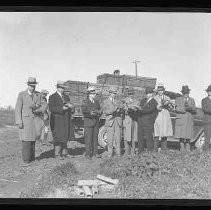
point(91, 110)
point(185, 108)
point(147, 114)
point(27, 102)
point(206, 107)
point(163, 124)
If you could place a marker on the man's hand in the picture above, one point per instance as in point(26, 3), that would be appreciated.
point(20, 125)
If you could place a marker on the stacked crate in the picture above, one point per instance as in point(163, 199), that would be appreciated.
point(128, 80)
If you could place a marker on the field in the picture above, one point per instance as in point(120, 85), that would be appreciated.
point(169, 175)
point(7, 117)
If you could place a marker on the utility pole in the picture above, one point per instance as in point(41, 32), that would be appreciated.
point(136, 66)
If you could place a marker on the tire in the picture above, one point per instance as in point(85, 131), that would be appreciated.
point(200, 141)
point(102, 137)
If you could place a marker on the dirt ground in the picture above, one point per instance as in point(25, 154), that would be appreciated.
point(15, 179)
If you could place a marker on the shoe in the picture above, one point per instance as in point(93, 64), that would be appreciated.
point(68, 156)
point(59, 158)
point(88, 157)
point(97, 156)
point(25, 164)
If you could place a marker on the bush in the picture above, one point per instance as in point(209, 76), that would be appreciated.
point(171, 175)
point(61, 177)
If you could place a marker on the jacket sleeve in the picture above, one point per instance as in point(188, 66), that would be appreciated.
point(206, 109)
point(179, 107)
point(150, 107)
point(54, 108)
point(18, 109)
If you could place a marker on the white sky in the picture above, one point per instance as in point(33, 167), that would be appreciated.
point(173, 47)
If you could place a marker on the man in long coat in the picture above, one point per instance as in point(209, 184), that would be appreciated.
point(185, 108)
point(163, 125)
point(113, 122)
point(147, 114)
point(27, 102)
point(130, 124)
point(91, 110)
point(60, 120)
point(206, 107)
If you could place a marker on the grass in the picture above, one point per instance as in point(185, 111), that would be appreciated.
point(7, 117)
point(56, 183)
point(170, 175)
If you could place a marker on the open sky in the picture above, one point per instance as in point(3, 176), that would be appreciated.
point(175, 48)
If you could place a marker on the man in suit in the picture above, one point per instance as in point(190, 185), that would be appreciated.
point(60, 120)
point(27, 102)
point(113, 122)
point(91, 110)
point(206, 107)
point(185, 108)
point(147, 113)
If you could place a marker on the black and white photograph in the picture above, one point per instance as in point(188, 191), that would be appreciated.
point(105, 105)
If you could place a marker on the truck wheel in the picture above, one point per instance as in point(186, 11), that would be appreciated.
point(200, 141)
point(102, 137)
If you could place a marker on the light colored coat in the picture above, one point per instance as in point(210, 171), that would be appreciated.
point(163, 124)
point(130, 126)
point(108, 108)
point(24, 114)
point(184, 119)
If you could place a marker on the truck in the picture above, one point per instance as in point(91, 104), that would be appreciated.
point(76, 90)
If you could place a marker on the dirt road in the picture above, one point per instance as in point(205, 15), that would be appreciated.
point(15, 179)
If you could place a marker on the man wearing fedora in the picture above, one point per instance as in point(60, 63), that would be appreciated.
point(206, 107)
point(27, 102)
point(113, 122)
point(185, 108)
point(130, 125)
point(91, 110)
point(163, 124)
point(147, 113)
point(60, 120)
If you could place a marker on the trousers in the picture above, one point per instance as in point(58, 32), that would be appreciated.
point(60, 148)
point(207, 133)
point(28, 151)
point(114, 138)
point(91, 140)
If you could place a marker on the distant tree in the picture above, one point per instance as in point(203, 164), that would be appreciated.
point(9, 108)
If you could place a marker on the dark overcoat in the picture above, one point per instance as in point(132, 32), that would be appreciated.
point(60, 120)
point(148, 114)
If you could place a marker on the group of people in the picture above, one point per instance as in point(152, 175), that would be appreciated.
point(146, 121)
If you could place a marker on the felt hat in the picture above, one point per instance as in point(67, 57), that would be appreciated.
point(185, 89)
point(32, 81)
point(44, 91)
point(149, 90)
point(160, 87)
point(209, 88)
point(61, 84)
point(91, 89)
